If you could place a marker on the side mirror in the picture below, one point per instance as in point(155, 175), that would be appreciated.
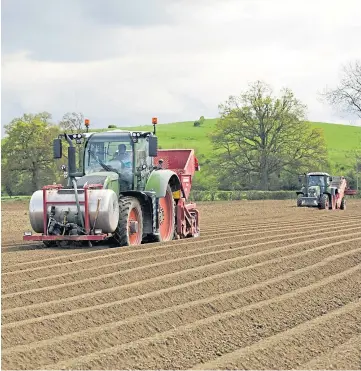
point(57, 148)
point(330, 178)
point(299, 179)
point(72, 160)
point(153, 146)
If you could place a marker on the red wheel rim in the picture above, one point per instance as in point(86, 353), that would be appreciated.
point(166, 217)
point(134, 238)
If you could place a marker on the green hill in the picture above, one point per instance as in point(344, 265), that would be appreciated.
point(341, 140)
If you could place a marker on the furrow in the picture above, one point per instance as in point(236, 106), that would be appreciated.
point(76, 271)
point(59, 270)
point(144, 272)
point(346, 356)
point(216, 333)
point(302, 342)
point(121, 292)
point(248, 287)
point(93, 256)
point(75, 254)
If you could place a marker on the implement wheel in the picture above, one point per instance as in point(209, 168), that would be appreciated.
point(166, 217)
point(343, 204)
point(130, 226)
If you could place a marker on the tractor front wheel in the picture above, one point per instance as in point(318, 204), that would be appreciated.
point(166, 217)
point(299, 200)
point(325, 202)
point(130, 226)
point(50, 243)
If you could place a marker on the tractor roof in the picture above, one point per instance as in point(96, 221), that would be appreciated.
point(318, 173)
point(86, 135)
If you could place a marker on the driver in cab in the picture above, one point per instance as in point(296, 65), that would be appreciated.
point(123, 156)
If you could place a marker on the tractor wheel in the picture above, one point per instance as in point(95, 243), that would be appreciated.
point(325, 202)
point(129, 233)
point(299, 201)
point(50, 243)
point(166, 217)
point(343, 204)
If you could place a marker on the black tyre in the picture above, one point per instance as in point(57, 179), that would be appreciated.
point(130, 211)
point(50, 243)
point(325, 202)
point(299, 201)
point(343, 204)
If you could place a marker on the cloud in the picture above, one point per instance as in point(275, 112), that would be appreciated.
point(123, 62)
point(75, 30)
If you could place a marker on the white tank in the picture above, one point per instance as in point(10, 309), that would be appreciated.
point(108, 215)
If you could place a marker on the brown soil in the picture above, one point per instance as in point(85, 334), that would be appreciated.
point(266, 286)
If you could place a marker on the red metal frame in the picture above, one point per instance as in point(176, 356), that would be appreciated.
point(88, 237)
point(187, 224)
point(184, 163)
point(342, 191)
point(46, 203)
point(351, 192)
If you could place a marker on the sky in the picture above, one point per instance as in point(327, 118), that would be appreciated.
point(124, 61)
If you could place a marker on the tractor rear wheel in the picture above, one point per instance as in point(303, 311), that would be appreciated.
point(343, 204)
point(166, 217)
point(325, 202)
point(130, 226)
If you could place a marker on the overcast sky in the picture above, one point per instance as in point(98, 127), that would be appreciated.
point(123, 61)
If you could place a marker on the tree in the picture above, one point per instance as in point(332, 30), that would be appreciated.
point(27, 152)
point(260, 136)
point(199, 122)
point(74, 123)
point(347, 95)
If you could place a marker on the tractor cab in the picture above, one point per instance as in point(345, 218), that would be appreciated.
point(122, 159)
point(313, 182)
point(317, 181)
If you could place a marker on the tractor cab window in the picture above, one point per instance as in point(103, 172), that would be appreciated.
point(105, 152)
point(316, 180)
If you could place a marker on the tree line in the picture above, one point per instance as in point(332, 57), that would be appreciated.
point(27, 161)
point(261, 141)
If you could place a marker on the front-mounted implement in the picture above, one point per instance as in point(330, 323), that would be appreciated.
point(323, 191)
point(126, 192)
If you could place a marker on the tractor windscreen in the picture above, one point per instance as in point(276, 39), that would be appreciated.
point(109, 152)
point(316, 180)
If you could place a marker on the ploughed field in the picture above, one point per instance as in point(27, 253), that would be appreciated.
point(266, 286)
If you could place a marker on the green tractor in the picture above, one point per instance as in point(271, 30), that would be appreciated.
point(127, 192)
point(323, 191)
